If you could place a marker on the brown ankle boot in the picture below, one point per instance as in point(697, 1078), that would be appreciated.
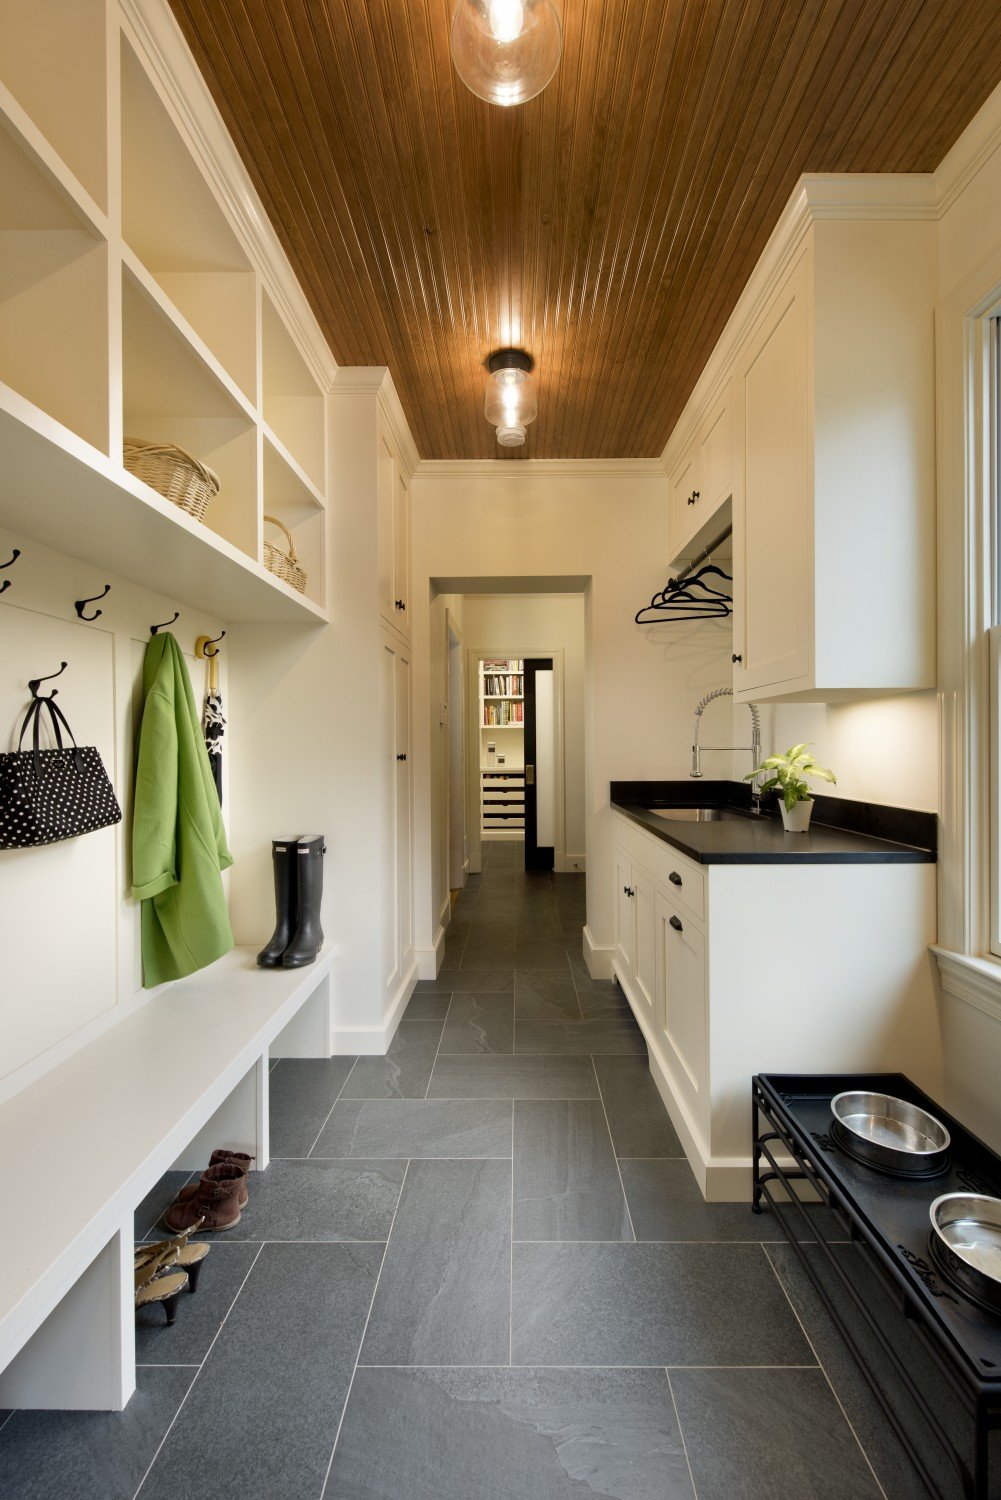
point(215, 1200)
point(234, 1158)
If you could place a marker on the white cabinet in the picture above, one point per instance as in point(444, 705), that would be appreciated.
point(397, 817)
point(702, 480)
point(393, 497)
point(723, 987)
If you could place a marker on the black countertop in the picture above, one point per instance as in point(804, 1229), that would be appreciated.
point(842, 832)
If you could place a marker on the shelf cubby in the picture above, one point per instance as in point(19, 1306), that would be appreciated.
point(171, 395)
point(53, 59)
point(292, 400)
point(176, 227)
point(53, 298)
point(308, 535)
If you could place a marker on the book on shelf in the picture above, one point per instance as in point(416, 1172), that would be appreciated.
point(503, 713)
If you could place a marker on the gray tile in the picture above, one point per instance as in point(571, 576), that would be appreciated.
point(404, 1071)
point(263, 1414)
point(479, 1023)
point(158, 1200)
point(606, 1036)
point(321, 1200)
point(639, 1123)
point(199, 1314)
point(566, 1181)
point(499, 1077)
point(444, 1292)
point(90, 1455)
point(428, 1128)
point(599, 997)
point(651, 1305)
point(535, 923)
point(481, 982)
point(899, 1478)
point(769, 1435)
point(486, 954)
point(540, 953)
point(425, 1007)
point(495, 1434)
point(302, 1092)
point(666, 1203)
point(545, 995)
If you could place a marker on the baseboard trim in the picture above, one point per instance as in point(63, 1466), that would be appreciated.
point(373, 1041)
point(429, 960)
point(598, 957)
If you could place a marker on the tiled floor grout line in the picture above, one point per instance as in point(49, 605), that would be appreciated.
point(681, 1430)
point(194, 1378)
point(822, 1369)
point(329, 1111)
point(364, 1332)
point(622, 1185)
point(573, 981)
point(363, 1366)
point(448, 1011)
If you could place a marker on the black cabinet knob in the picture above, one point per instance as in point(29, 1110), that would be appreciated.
point(736, 657)
point(674, 878)
point(695, 495)
point(401, 757)
point(691, 498)
point(676, 924)
point(400, 604)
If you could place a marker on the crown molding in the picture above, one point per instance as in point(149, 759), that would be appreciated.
point(155, 34)
point(977, 144)
point(537, 468)
point(377, 381)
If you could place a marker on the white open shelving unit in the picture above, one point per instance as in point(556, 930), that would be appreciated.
point(131, 303)
point(502, 773)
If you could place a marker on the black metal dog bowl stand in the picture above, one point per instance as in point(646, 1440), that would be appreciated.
point(887, 1219)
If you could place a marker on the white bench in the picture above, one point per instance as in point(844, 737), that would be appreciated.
point(81, 1147)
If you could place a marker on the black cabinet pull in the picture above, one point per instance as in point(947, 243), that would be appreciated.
point(400, 604)
point(736, 657)
point(691, 498)
point(695, 495)
point(627, 890)
point(676, 924)
point(401, 757)
point(674, 878)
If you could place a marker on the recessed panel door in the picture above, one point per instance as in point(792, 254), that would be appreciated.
point(540, 764)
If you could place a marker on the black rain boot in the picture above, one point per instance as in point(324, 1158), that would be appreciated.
point(285, 859)
point(308, 938)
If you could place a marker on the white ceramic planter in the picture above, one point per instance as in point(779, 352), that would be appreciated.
point(797, 821)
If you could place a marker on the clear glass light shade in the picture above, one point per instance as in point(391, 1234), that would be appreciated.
point(506, 51)
point(510, 404)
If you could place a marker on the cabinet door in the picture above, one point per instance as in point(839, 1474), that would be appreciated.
point(401, 554)
point(386, 501)
point(716, 452)
point(773, 523)
point(625, 914)
point(389, 893)
point(404, 813)
point(644, 926)
point(681, 974)
point(683, 500)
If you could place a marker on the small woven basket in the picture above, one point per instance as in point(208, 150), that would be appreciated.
point(173, 473)
point(284, 565)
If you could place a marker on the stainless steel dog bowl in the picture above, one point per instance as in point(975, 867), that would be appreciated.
point(966, 1243)
point(890, 1134)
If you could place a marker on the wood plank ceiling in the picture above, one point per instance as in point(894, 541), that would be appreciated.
point(609, 225)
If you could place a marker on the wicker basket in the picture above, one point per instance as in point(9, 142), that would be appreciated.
point(174, 474)
point(284, 565)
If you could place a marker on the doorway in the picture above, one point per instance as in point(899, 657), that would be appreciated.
point(458, 844)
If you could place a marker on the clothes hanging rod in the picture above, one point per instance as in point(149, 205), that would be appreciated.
point(724, 535)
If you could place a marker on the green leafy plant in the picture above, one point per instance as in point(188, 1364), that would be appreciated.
point(791, 773)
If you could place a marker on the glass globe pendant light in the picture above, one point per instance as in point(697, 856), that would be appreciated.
point(506, 51)
point(510, 402)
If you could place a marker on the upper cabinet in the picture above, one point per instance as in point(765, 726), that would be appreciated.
point(816, 414)
point(394, 535)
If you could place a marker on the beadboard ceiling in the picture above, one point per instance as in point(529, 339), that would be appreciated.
point(609, 225)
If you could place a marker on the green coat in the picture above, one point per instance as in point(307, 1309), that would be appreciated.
point(178, 841)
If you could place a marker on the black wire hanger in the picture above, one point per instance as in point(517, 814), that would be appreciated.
point(689, 597)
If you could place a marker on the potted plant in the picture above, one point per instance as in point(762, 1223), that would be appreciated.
point(790, 774)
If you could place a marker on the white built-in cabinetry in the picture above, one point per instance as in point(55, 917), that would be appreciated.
point(724, 984)
point(812, 430)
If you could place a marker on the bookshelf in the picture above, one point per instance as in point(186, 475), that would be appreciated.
point(502, 747)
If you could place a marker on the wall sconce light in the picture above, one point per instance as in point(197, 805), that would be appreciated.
point(506, 51)
point(510, 402)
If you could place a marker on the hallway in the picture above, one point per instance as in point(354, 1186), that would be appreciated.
point(479, 1268)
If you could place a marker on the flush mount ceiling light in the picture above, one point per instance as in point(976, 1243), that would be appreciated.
point(506, 51)
point(510, 402)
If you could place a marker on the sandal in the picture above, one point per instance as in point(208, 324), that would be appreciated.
point(151, 1285)
point(188, 1257)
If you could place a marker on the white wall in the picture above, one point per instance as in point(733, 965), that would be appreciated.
point(442, 608)
point(518, 623)
point(475, 527)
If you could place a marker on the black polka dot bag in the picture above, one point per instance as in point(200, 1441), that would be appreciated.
point(48, 795)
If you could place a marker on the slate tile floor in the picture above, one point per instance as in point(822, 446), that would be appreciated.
point(480, 1269)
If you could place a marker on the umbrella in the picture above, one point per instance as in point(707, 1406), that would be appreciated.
point(213, 721)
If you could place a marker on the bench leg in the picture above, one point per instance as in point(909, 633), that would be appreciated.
point(83, 1357)
point(308, 1032)
point(240, 1123)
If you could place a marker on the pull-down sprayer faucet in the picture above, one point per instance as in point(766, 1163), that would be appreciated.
point(754, 746)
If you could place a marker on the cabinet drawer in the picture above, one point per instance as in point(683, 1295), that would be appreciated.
point(682, 878)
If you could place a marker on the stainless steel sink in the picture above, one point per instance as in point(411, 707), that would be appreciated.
point(694, 814)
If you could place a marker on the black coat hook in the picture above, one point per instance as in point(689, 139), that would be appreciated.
point(154, 628)
point(212, 640)
point(9, 564)
point(80, 604)
point(36, 682)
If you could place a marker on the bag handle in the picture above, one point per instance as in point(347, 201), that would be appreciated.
point(57, 718)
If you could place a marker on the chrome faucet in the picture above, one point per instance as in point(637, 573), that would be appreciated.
point(754, 746)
